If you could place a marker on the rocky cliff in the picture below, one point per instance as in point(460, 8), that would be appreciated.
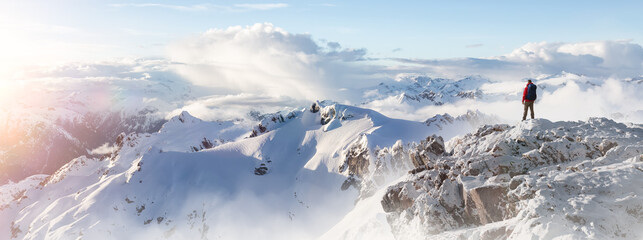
point(536, 180)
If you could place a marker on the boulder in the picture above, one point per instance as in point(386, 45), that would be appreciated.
point(395, 200)
point(356, 161)
point(485, 204)
point(428, 152)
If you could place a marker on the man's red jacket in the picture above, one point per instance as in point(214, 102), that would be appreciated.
point(524, 94)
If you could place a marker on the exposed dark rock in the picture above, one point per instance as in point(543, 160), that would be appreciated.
point(395, 200)
point(15, 230)
point(253, 133)
point(314, 108)
point(119, 139)
point(428, 151)
point(467, 94)
point(207, 144)
point(356, 160)
point(262, 170)
point(488, 203)
point(327, 114)
point(140, 209)
point(419, 169)
point(606, 145)
point(350, 182)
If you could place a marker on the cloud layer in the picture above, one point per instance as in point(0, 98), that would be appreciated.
point(605, 59)
point(264, 59)
point(600, 58)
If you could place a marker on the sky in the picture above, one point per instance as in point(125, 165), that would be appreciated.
point(289, 53)
point(39, 31)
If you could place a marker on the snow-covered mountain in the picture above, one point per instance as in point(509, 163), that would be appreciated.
point(116, 166)
point(89, 105)
point(419, 90)
point(82, 108)
point(299, 170)
point(334, 171)
point(59, 140)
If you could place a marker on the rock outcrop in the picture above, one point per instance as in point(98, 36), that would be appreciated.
point(495, 173)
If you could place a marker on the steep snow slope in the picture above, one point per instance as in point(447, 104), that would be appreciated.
point(536, 180)
point(295, 178)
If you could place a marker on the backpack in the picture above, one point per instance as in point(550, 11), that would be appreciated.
point(531, 92)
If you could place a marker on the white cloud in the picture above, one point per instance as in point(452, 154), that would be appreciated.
point(612, 98)
point(598, 59)
point(266, 60)
point(104, 149)
point(236, 106)
point(69, 90)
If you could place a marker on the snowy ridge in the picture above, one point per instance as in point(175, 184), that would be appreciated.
point(341, 172)
point(156, 185)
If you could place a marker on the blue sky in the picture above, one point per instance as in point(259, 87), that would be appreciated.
point(91, 30)
point(279, 53)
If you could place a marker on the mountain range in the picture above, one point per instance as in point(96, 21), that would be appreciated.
point(328, 170)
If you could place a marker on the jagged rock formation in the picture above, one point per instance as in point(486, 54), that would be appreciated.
point(428, 152)
point(370, 168)
point(506, 173)
point(272, 121)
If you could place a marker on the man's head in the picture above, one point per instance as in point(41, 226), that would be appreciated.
point(529, 81)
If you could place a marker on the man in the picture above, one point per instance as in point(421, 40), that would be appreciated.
point(528, 98)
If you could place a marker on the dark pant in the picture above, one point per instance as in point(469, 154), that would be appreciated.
point(530, 105)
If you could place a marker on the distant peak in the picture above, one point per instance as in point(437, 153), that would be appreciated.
point(185, 117)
